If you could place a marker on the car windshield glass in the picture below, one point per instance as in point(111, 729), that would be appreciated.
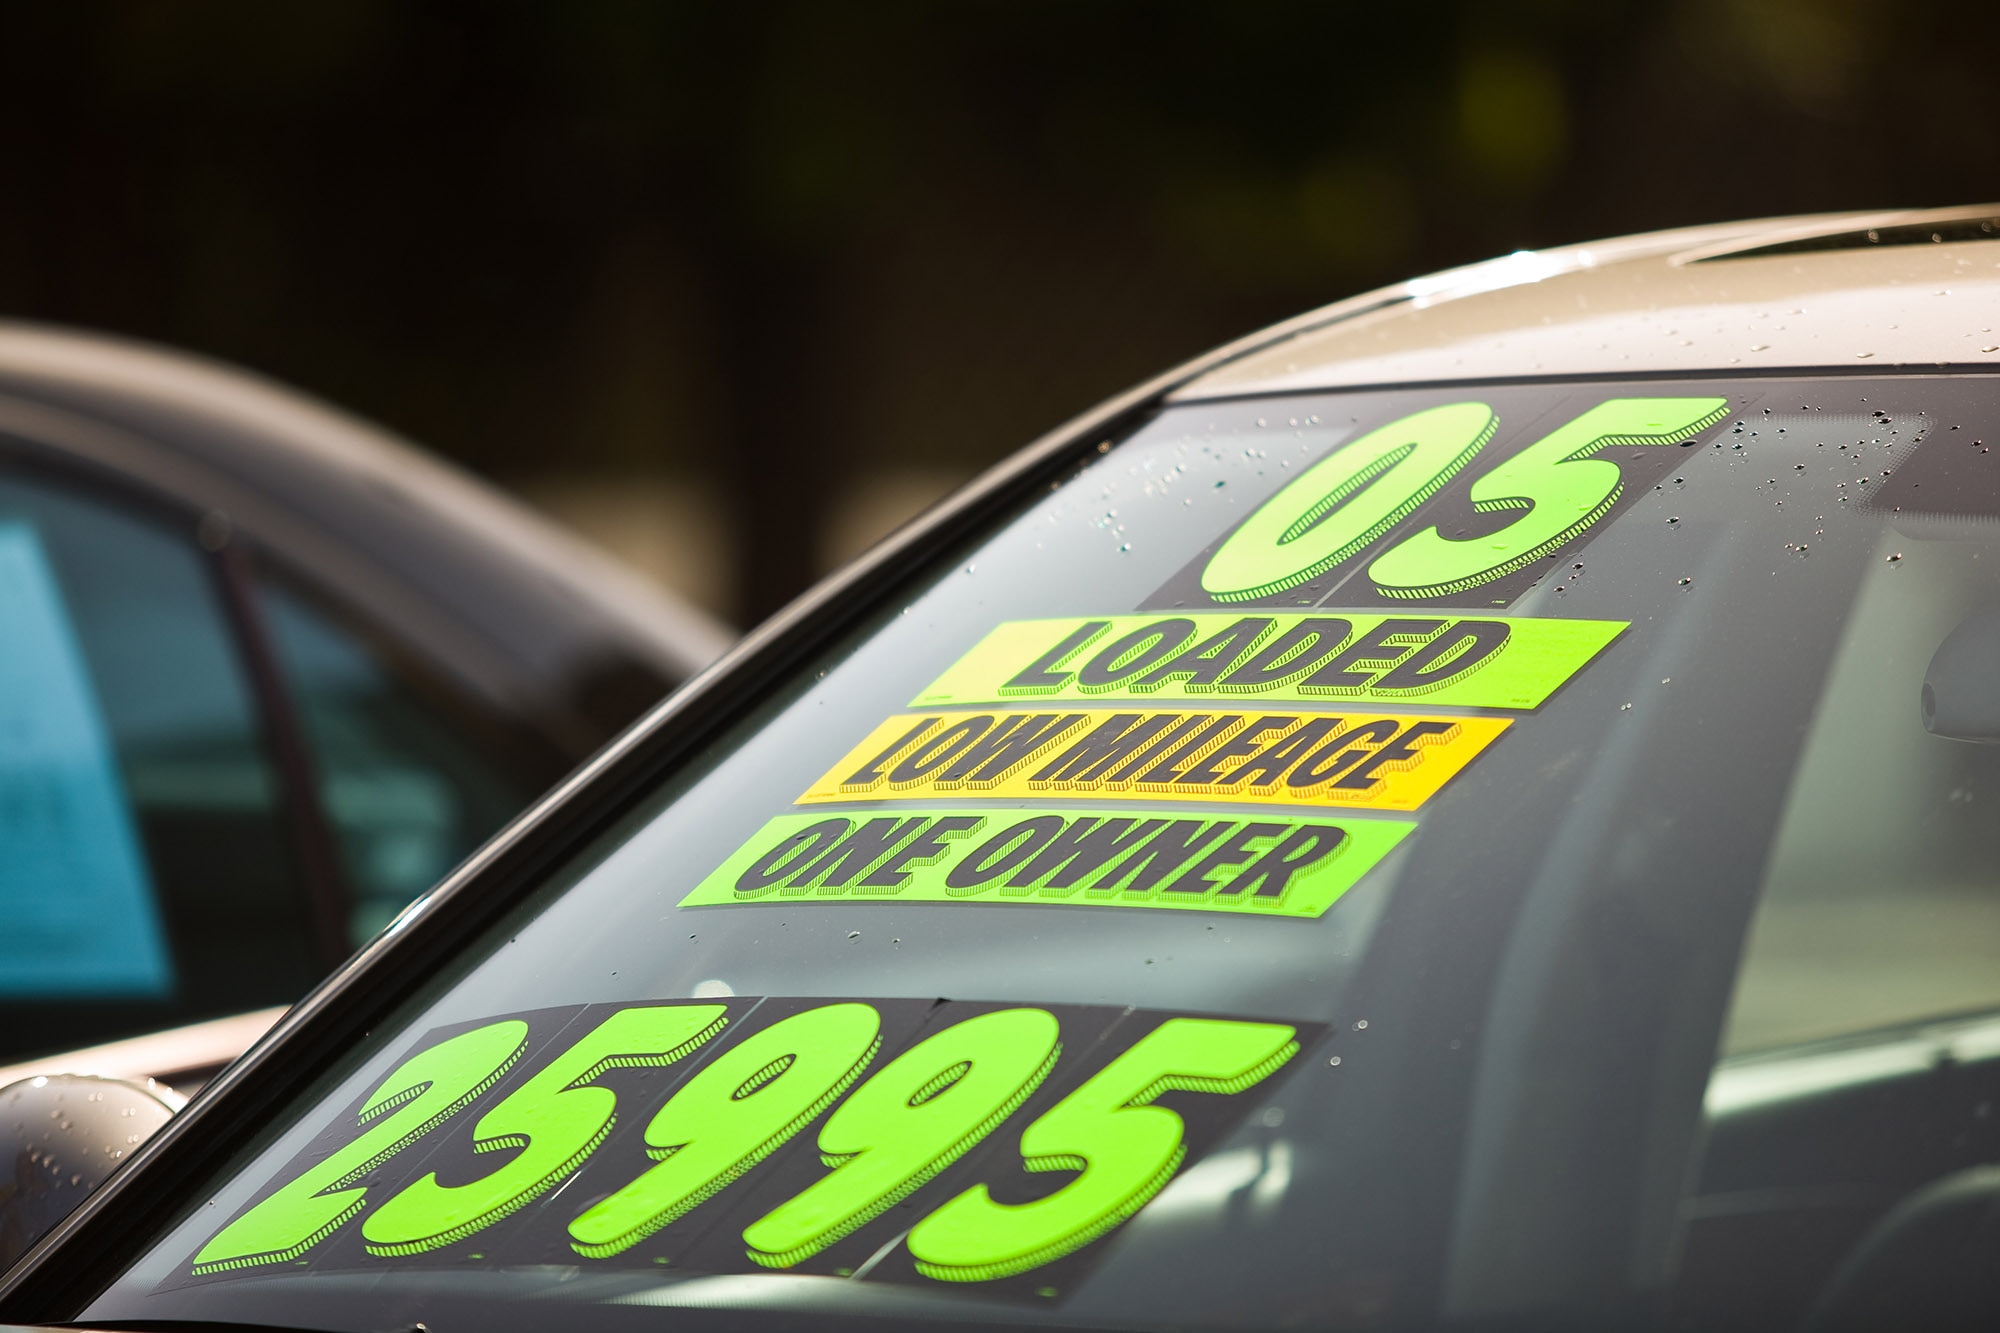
point(1497, 855)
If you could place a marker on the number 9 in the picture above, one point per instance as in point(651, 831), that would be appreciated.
point(926, 1109)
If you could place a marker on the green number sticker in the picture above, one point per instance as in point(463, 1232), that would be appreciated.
point(556, 1120)
point(1557, 483)
point(920, 1113)
point(731, 1116)
point(1345, 501)
point(420, 1094)
point(1125, 1148)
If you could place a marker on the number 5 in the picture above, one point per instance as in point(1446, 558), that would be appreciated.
point(1126, 1149)
point(1558, 485)
point(555, 1119)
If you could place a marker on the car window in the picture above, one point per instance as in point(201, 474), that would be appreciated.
point(409, 783)
point(146, 877)
point(1490, 856)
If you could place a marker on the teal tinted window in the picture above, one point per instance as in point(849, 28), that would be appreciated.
point(146, 874)
point(407, 784)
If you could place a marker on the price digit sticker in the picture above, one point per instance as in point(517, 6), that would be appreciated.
point(1123, 1147)
point(730, 1116)
point(923, 1111)
point(553, 1121)
point(420, 1094)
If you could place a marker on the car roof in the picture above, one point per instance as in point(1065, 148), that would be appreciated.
point(462, 572)
point(1840, 291)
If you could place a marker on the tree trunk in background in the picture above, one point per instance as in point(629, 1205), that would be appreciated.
point(780, 432)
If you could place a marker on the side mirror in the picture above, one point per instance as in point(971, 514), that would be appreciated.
point(1961, 696)
point(60, 1136)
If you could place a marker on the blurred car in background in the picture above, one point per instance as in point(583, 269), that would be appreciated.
point(267, 674)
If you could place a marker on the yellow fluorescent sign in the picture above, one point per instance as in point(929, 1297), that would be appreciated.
point(1358, 759)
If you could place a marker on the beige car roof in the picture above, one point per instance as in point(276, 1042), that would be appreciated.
point(1686, 300)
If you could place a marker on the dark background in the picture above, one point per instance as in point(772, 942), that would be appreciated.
point(736, 285)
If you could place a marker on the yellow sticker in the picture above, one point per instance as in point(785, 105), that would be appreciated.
point(1363, 760)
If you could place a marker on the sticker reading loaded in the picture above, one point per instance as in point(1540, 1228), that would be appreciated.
point(1089, 858)
point(909, 1141)
point(1364, 760)
point(1460, 661)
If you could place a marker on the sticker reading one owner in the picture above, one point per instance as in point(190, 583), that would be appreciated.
point(1094, 858)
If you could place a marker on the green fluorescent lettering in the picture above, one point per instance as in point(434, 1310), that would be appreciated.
point(420, 1094)
point(1230, 856)
point(1041, 676)
point(1289, 656)
point(926, 849)
point(1345, 501)
point(738, 1110)
point(1127, 656)
point(1370, 655)
point(1269, 873)
point(939, 750)
point(556, 1120)
point(1450, 656)
point(1103, 855)
point(1125, 1149)
point(1082, 849)
point(1205, 663)
point(1557, 483)
point(1461, 661)
point(799, 848)
point(1001, 853)
point(870, 773)
point(920, 1113)
point(1013, 742)
point(861, 848)
point(1159, 856)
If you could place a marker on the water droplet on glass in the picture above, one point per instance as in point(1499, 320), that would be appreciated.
point(1360, 1024)
point(1333, 1060)
point(1686, 582)
point(1894, 558)
point(853, 934)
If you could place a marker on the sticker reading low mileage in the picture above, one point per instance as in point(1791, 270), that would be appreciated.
point(1364, 760)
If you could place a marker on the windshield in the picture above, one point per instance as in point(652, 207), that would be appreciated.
point(1476, 856)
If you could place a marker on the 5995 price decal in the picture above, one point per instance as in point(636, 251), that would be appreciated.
point(916, 1141)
